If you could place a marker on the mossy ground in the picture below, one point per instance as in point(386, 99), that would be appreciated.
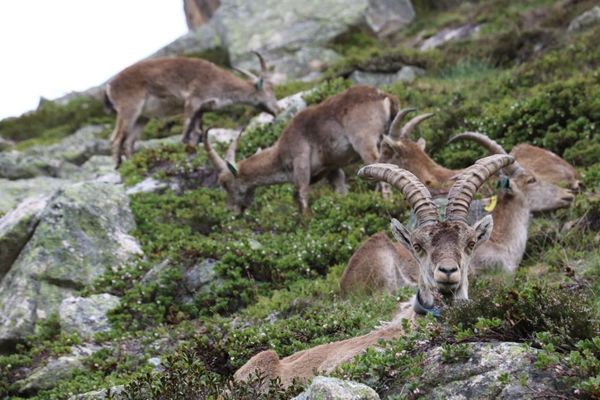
point(522, 79)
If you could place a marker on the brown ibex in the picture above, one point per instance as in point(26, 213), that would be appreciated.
point(542, 194)
point(318, 142)
point(381, 265)
point(443, 250)
point(166, 86)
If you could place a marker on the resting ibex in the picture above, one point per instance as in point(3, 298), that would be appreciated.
point(165, 86)
point(382, 265)
point(443, 250)
point(543, 194)
point(318, 142)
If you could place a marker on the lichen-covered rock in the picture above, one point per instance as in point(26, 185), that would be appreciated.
point(585, 20)
point(406, 74)
point(448, 35)
point(47, 377)
point(14, 192)
point(76, 148)
point(500, 370)
point(17, 165)
point(324, 388)
point(16, 228)
point(292, 35)
point(200, 276)
point(87, 316)
point(113, 393)
point(83, 231)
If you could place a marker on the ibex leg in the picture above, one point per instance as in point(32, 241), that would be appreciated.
point(337, 179)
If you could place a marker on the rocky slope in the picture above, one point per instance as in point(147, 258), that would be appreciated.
point(141, 284)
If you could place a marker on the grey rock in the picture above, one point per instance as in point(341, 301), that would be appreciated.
point(154, 273)
point(16, 228)
point(406, 74)
point(450, 34)
point(82, 232)
point(200, 276)
point(17, 165)
point(292, 35)
point(102, 394)
point(148, 185)
point(324, 388)
point(589, 18)
point(87, 316)
point(198, 12)
point(501, 370)
point(48, 376)
point(14, 192)
point(155, 363)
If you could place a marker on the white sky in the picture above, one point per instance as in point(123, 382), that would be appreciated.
point(51, 47)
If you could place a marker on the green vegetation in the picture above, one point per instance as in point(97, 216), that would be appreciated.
point(276, 276)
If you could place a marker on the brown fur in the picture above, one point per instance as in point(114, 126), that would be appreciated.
point(546, 165)
point(165, 86)
point(318, 142)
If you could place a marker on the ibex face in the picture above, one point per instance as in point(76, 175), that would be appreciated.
point(541, 195)
point(443, 249)
point(264, 96)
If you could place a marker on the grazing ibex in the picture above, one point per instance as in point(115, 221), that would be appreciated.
point(317, 143)
point(166, 86)
point(443, 250)
point(543, 194)
point(382, 265)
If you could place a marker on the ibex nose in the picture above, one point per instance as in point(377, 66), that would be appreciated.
point(568, 198)
point(448, 269)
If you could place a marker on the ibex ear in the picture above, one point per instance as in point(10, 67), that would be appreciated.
point(483, 229)
point(260, 84)
point(421, 143)
point(232, 168)
point(401, 234)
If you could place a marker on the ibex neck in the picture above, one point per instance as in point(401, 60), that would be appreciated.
point(263, 168)
point(509, 237)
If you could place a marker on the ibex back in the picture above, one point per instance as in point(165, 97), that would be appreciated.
point(166, 86)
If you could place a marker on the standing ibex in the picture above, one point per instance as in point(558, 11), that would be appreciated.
point(443, 250)
point(165, 86)
point(318, 142)
point(382, 265)
point(542, 194)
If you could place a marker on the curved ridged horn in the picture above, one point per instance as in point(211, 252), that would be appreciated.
point(417, 195)
point(468, 182)
point(412, 124)
point(395, 127)
point(217, 161)
point(247, 73)
point(230, 154)
point(263, 65)
point(486, 142)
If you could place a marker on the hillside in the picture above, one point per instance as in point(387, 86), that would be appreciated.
point(193, 291)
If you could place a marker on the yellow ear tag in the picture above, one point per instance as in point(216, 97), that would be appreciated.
point(492, 204)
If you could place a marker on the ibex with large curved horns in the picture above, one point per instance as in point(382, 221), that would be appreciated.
point(317, 143)
point(161, 87)
point(382, 265)
point(542, 191)
point(443, 250)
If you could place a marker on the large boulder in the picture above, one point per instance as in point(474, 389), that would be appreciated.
point(87, 316)
point(589, 18)
point(49, 375)
point(500, 370)
point(324, 388)
point(292, 35)
point(14, 192)
point(16, 228)
point(81, 233)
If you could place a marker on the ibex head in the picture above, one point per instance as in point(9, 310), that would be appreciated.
point(264, 95)
point(397, 147)
point(239, 195)
point(443, 249)
point(540, 195)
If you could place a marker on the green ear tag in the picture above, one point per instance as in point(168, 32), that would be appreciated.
point(259, 84)
point(232, 168)
point(503, 183)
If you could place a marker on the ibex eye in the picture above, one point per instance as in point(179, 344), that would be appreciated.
point(417, 248)
point(471, 245)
